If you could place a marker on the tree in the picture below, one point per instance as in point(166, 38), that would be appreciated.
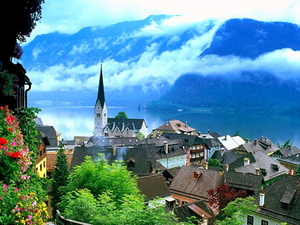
point(99, 193)
point(223, 194)
point(237, 210)
point(214, 162)
point(121, 115)
point(19, 18)
point(286, 144)
point(59, 180)
point(140, 135)
point(99, 177)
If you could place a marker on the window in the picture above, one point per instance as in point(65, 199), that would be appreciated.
point(264, 222)
point(250, 220)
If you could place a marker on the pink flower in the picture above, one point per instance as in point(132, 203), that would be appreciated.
point(29, 217)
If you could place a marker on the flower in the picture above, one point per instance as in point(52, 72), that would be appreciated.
point(3, 141)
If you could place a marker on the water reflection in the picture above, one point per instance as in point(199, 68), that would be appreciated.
point(72, 121)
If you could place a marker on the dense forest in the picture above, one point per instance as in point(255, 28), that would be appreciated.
point(250, 91)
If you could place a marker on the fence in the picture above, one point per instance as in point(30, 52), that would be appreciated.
point(60, 220)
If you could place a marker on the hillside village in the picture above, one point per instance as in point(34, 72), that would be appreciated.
point(176, 163)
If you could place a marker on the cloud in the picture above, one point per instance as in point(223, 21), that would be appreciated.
point(69, 16)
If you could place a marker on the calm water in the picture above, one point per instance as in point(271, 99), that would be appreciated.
point(72, 121)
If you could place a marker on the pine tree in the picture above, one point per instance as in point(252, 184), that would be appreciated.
point(59, 180)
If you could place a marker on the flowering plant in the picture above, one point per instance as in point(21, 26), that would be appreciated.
point(14, 155)
point(21, 198)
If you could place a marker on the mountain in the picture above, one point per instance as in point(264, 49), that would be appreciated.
point(249, 38)
point(258, 92)
point(238, 63)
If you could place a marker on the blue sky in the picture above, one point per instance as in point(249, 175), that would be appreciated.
point(69, 16)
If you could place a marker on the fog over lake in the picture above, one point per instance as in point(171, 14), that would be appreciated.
point(73, 121)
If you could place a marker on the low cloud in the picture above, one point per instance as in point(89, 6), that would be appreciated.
point(152, 70)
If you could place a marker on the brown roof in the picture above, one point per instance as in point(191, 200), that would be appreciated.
point(194, 182)
point(51, 159)
point(153, 186)
point(198, 209)
point(177, 126)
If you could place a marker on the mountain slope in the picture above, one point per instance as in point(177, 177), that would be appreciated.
point(250, 38)
point(240, 59)
point(258, 92)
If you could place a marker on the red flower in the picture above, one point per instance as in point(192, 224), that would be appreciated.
point(3, 141)
point(9, 129)
point(15, 155)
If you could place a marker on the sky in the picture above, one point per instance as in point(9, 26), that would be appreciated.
point(69, 16)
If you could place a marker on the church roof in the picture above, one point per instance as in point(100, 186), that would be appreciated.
point(132, 124)
point(101, 95)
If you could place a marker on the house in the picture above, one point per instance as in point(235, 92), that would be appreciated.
point(264, 144)
point(249, 182)
point(52, 135)
point(268, 145)
point(278, 203)
point(125, 127)
point(51, 160)
point(135, 157)
point(192, 183)
point(170, 174)
point(113, 127)
point(257, 162)
point(41, 162)
point(291, 162)
point(285, 152)
point(231, 143)
point(199, 210)
point(194, 146)
point(174, 126)
point(153, 186)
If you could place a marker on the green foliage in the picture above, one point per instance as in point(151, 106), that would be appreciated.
point(140, 136)
point(80, 205)
point(237, 210)
point(298, 170)
point(286, 144)
point(100, 177)
point(60, 176)
point(100, 194)
point(7, 83)
point(121, 115)
point(214, 162)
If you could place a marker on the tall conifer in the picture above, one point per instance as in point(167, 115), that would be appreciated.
point(59, 180)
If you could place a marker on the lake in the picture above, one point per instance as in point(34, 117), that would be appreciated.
point(73, 121)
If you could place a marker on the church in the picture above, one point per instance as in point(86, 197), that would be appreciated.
point(113, 127)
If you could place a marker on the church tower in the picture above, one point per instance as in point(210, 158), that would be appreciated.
point(100, 110)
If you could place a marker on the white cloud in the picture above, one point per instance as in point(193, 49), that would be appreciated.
point(69, 16)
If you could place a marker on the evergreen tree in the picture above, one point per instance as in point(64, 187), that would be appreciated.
point(121, 115)
point(59, 180)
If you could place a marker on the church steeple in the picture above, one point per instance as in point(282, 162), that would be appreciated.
point(100, 110)
point(101, 95)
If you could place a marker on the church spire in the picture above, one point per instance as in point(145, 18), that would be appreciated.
point(101, 96)
point(100, 110)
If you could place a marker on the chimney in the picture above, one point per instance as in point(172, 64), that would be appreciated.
point(186, 124)
point(166, 147)
point(257, 171)
point(261, 199)
point(226, 167)
point(246, 161)
point(255, 142)
point(206, 165)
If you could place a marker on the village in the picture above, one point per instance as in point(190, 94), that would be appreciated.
point(179, 164)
